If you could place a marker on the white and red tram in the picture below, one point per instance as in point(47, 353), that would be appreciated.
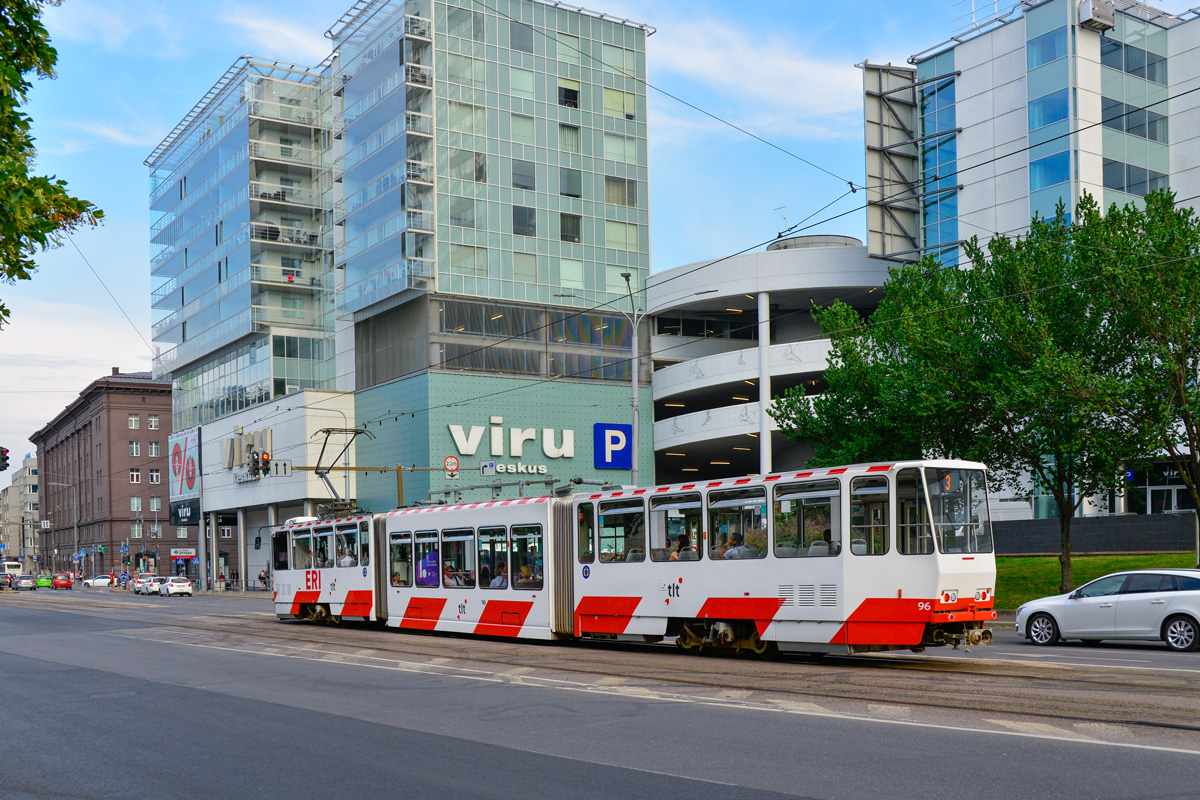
point(845, 560)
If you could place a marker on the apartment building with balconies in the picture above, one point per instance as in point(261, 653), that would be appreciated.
point(240, 262)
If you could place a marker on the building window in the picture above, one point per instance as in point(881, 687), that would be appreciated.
point(151, 422)
point(135, 448)
point(570, 227)
point(568, 93)
point(134, 422)
point(620, 148)
point(568, 138)
point(226, 532)
point(570, 273)
point(522, 129)
point(156, 530)
point(465, 24)
point(525, 267)
point(524, 221)
point(154, 449)
point(466, 71)
point(568, 48)
point(1049, 171)
point(155, 476)
point(135, 530)
point(522, 175)
point(619, 60)
point(1046, 48)
point(467, 260)
point(465, 118)
point(620, 191)
point(620, 235)
point(520, 83)
point(181, 533)
point(1047, 110)
point(462, 212)
point(620, 104)
point(570, 182)
point(467, 165)
point(135, 476)
point(156, 503)
point(520, 36)
point(135, 504)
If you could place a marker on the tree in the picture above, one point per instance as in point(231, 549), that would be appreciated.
point(1151, 288)
point(1003, 363)
point(36, 212)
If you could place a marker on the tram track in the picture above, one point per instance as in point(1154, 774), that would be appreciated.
point(1048, 692)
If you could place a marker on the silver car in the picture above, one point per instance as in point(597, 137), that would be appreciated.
point(1150, 604)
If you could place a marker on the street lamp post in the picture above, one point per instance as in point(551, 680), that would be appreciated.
point(635, 316)
point(75, 496)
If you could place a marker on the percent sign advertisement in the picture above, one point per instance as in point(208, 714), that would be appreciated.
point(184, 449)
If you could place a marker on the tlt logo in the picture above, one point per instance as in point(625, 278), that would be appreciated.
point(613, 445)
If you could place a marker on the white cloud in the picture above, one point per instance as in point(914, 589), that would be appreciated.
point(49, 352)
point(112, 133)
point(297, 42)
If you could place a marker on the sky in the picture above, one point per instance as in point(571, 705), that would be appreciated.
point(129, 70)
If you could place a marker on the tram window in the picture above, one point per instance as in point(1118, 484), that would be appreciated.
point(321, 548)
point(493, 558)
point(527, 556)
point(958, 505)
point(869, 516)
point(347, 547)
point(807, 517)
point(364, 544)
point(913, 534)
point(426, 553)
point(279, 549)
point(585, 526)
point(737, 523)
point(675, 524)
point(623, 530)
point(401, 559)
point(458, 558)
point(302, 551)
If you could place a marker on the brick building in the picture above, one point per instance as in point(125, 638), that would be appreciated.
point(103, 466)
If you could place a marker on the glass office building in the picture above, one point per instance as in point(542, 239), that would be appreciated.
point(1050, 100)
point(240, 252)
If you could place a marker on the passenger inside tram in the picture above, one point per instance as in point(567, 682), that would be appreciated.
point(500, 581)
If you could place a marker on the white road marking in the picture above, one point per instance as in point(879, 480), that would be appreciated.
point(1041, 729)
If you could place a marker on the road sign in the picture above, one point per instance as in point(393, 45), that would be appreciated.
point(281, 469)
point(487, 469)
point(452, 476)
point(451, 464)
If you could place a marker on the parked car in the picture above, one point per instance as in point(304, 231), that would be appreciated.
point(61, 581)
point(44, 580)
point(142, 582)
point(25, 582)
point(97, 581)
point(151, 587)
point(1151, 604)
point(175, 585)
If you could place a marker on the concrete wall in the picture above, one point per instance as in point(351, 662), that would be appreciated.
point(1126, 533)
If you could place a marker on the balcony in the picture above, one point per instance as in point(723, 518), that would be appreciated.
point(419, 171)
point(271, 233)
point(290, 195)
point(418, 26)
point(421, 220)
point(416, 75)
point(415, 122)
point(303, 278)
point(285, 112)
point(288, 154)
point(286, 317)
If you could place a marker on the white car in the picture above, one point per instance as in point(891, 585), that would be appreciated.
point(143, 583)
point(1148, 604)
point(151, 585)
point(97, 580)
point(175, 585)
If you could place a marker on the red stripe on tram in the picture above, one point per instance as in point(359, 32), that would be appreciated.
point(503, 617)
point(358, 603)
point(300, 599)
point(760, 609)
point(885, 620)
point(604, 614)
point(423, 613)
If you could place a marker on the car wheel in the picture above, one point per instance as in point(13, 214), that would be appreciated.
point(1180, 634)
point(1043, 629)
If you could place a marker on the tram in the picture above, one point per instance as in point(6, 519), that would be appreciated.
point(853, 559)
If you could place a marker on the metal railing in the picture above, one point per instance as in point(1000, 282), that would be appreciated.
point(284, 194)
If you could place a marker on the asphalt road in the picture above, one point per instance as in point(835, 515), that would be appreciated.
point(110, 695)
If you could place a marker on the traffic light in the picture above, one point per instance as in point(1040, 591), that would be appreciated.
point(265, 463)
point(3, 458)
point(255, 463)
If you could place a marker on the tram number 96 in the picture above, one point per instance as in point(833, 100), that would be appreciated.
point(312, 580)
point(924, 607)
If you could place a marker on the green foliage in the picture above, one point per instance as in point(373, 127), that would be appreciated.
point(35, 211)
point(1019, 580)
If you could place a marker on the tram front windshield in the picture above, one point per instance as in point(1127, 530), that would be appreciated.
point(958, 503)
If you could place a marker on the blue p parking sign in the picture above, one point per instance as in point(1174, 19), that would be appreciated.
point(612, 445)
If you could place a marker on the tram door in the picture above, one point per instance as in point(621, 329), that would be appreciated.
point(562, 554)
